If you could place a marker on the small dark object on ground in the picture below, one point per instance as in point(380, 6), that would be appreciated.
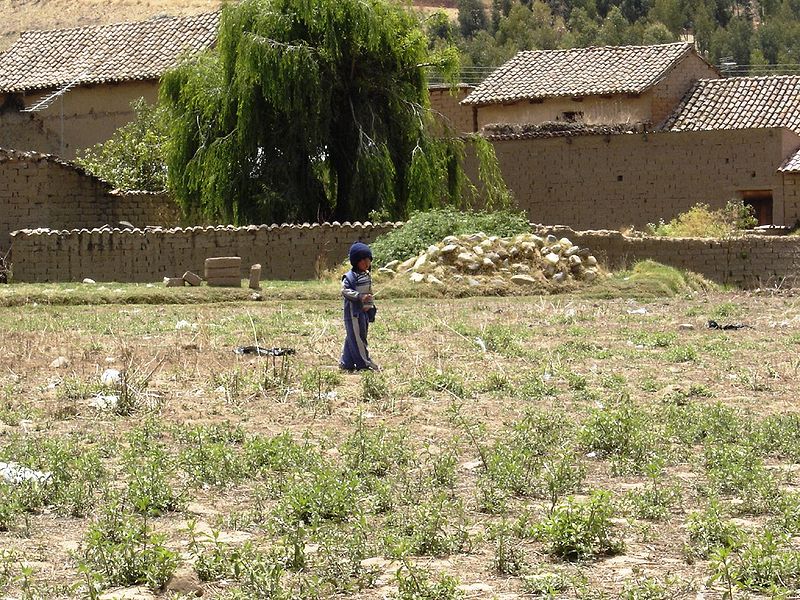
point(258, 350)
point(714, 325)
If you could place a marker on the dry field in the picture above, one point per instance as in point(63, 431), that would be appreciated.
point(545, 446)
point(17, 16)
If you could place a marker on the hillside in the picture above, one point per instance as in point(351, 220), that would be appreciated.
point(22, 15)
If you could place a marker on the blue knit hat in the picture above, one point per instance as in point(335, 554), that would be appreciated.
point(358, 251)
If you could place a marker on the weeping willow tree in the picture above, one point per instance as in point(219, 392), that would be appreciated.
point(310, 109)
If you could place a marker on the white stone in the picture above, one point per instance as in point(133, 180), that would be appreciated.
point(591, 260)
point(473, 282)
point(575, 261)
point(487, 262)
point(478, 250)
point(416, 277)
point(392, 264)
point(89, 280)
point(523, 280)
point(559, 277)
point(449, 248)
point(431, 279)
point(60, 363)
point(552, 259)
point(407, 264)
point(421, 260)
point(590, 275)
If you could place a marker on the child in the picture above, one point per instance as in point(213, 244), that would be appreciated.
point(359, 310)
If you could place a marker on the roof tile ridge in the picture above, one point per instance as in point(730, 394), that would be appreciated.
point(109, 26)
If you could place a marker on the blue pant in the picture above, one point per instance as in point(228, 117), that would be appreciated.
point(355, 354)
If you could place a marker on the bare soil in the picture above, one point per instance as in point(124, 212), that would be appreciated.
point(17, 16)
point(607, 344)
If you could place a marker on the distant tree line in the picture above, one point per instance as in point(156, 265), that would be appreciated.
point(744, 32)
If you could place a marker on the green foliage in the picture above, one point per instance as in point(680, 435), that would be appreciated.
point(414, 583)
point(308, 110)
point(578, 530)
point(708, 530)
point(649, 279)
point(123, 550)
point(133, 158)
point(430, 227)
point(624, 433)
point(701, 221)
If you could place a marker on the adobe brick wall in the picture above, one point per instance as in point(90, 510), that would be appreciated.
point(299, 252)
point(445, 105)
point(614, 181)
point(791, 198)
point(38, 190)
point(748, 261)
point(293, 252)
point(652, 106)
point(668, 92)
point(85, 116)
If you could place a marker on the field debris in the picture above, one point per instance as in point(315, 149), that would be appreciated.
point(475, 259)
point(15, 473)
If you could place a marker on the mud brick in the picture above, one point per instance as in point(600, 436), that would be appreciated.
point(174, 281)
point(255, 277)
point(192, 278)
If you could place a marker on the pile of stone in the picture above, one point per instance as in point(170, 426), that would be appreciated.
point(475, 259)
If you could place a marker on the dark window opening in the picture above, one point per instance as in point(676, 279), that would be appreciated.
point(761, 202)
point(571, 116)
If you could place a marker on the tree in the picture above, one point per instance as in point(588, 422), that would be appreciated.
point(310, 109)
point(133, 159)
point(471, 17)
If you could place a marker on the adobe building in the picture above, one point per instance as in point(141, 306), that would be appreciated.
point(68, 89)
point(617, 136)
point(606, 85)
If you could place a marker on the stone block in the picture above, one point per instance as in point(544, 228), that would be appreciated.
point(255, 277)
point(224, 281)
point(192, 278)
point(174, 281)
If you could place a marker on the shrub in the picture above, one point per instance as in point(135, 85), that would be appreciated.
point(701, 221)
point(426, 228)
point(133, 159)
point(581, 530)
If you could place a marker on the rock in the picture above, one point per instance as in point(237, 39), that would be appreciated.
point(523, 280)
point(406, 264)
point(132, 593)
point(392, 264)
point(416, 277)
point(60, 363)
point(174, 281)
point(192, 279)
point(552, 259)
point(448, 249)
point(255, 277)
point(591, 260)
point(589, 275)
point(686, 326)
point(472, 282)
point(476, 587)
point(185, 581)
point(550, 239)
point(431, 279)
point(575, 261)
point(386, 271)
point(421, 260)
point(89, 280)
point(559, 277)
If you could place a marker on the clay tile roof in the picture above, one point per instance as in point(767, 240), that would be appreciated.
point(792, 164)
point(41, 60)
point(739, 103)
point(535, 74)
